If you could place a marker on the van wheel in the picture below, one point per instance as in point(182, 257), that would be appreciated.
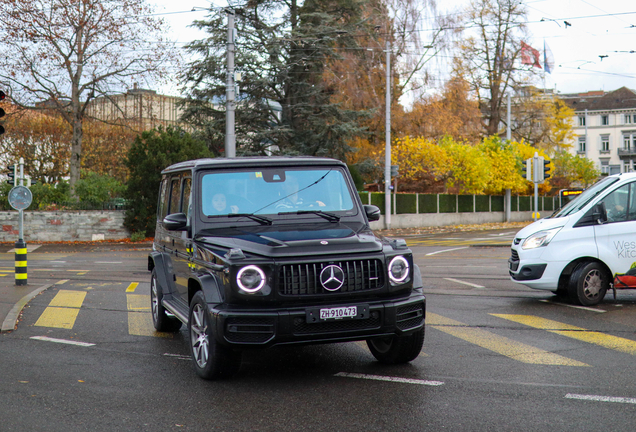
point(397, 349)
point(588, 284)
point(211, 359)
point(160, 319)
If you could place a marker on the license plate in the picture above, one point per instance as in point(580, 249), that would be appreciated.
point(338, 312)
point(316, 315)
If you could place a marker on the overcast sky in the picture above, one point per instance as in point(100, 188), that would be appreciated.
point(595, 28)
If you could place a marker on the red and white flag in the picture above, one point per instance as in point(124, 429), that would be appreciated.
point(530, 56)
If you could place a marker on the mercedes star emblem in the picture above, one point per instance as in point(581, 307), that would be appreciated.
point(332, 277)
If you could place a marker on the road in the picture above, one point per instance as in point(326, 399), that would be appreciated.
point(496, 357)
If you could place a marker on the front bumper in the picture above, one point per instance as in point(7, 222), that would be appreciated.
point(268, 327)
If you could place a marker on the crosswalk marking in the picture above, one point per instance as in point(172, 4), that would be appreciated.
point(131, 288)
point(499, 344)
point(62, 310)
point(597, 338)
point(140, 318)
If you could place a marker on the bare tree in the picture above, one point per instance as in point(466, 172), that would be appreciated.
point(65, 53)
point(488, 54)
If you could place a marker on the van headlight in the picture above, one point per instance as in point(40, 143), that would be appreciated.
point(250, 279)
point(398, 270)
point(538, 239)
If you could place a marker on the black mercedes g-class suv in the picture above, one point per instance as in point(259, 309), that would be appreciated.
point(256, 252)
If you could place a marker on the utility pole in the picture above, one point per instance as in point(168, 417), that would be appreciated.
point(387, 150)
point(508, 138)
point(230, 136)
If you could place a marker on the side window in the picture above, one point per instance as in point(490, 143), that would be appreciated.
point(175, 195)
point(186, 197)
point(617, 204)
point(631, 215)
point(163, 199)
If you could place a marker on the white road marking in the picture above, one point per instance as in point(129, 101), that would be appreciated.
point(446, 250)
point(62, 341)
point(178, 356)
point(108, 262)
point(575, 307)
point(390, 379)
point(465, 283)
point(601, 398)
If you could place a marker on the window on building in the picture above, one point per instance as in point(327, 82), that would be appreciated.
point(627, 119)
point(581, 144)
point(605, 168)
point(627, 139)
point(604, 120)
point(581, 120)
point(605, 143)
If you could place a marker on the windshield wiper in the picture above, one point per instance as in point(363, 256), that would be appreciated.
point(260, 219)
point(329, 216)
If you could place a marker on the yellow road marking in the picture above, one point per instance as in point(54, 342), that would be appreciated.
point(597, 338)
point(69, 299)
point(499, 344)
point(58, 317)
point(131, 288)
point(140, 318)
point(61, 282)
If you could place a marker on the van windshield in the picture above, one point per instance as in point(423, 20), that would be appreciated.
point(582, 200)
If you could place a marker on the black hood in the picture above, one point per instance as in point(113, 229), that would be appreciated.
point(305, 239)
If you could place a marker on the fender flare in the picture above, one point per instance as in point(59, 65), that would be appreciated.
point(211, 287)
point(417, 277)
point(157, 262)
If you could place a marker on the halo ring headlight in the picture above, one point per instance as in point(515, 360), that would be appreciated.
point(250, 279)
point(398, 269)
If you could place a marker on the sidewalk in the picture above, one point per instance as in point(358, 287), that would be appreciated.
point(13, 298)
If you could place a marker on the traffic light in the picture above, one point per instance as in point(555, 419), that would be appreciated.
point(546, 169)
point(526, 169)
point(13, 171)
point(394, 170)
point(2, 113)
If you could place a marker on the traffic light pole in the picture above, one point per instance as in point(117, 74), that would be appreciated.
point(536, 176)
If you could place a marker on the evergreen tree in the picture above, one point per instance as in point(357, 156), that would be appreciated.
point(151, 152)
point(283, 104)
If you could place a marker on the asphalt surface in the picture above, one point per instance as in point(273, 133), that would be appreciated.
point(13, 298)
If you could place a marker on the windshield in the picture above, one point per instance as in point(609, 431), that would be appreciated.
point(582, 200)
point(275, 191)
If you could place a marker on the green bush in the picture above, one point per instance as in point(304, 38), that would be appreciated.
point(466, 204)
point(405, 203)
point(428, 203)
point(497, 203)
point(482, 203)
point(96, 189)
point(524, 203)
point(447, 203)
point(151, 152)
point(377, 199)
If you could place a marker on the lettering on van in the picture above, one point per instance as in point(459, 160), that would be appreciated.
point(625, 249)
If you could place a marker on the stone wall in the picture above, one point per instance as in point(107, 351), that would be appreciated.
point(41, 226)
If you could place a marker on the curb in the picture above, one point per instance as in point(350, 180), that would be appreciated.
point(11, 319)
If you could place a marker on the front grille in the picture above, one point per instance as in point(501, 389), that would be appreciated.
point(409, 316)
point(514, 255)
point(302, 327)
point(249, 329)
point(304, 279)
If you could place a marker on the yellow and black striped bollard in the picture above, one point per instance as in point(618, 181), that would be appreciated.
point(20, 262)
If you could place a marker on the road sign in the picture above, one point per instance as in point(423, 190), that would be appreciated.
point(20, 197)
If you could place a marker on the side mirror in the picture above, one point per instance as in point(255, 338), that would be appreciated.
point(175, 222)
point(373, 212)
point(599, 212)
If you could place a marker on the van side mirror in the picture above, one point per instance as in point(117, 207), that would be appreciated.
point(175, 222)
point(372, 212)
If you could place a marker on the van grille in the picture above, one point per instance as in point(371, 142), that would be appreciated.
point(514, 255)
point(304, 279)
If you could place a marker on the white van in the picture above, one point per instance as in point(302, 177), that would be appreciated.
point(584, 248)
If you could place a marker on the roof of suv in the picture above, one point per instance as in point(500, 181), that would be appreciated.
point(257, 161)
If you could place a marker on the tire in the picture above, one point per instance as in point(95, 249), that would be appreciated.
point(397, 349)
point(160, 318)
point(211, 360)
point(588, 284)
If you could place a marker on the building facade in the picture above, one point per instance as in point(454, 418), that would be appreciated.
point(605, 128)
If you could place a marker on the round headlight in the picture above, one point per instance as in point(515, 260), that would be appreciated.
point(398, 269)
point(250, 279)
